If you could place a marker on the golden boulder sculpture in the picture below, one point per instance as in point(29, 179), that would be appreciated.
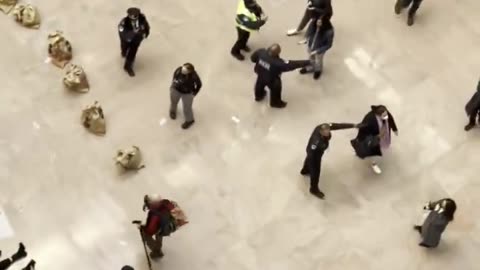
point(59, 49)
point(75, 79)
point(7, 5)
point(130, 159)
point(93, 119)
point(27, 15)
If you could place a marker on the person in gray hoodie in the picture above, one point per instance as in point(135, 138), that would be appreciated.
point(319, 40)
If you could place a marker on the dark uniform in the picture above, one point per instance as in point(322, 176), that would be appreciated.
point(473, 109)
point(401, 4)
point(269, 68)
point(317, 144)
point(132, 30)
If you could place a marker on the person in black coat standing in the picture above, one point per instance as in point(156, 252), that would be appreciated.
point(317, 144)
point(269, 66)
point(132, 30)
point(374, 135)
point(473, 109)
point(440, 214)
point(185, 86)
point(315, 9)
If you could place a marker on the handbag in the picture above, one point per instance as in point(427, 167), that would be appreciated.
point(364, 148)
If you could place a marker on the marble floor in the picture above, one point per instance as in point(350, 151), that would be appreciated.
point(235, 172)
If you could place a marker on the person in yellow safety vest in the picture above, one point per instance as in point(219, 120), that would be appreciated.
point(250, 17)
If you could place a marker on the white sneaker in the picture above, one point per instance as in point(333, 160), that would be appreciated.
point(376, 169)
point(292, 32)
point(303, 41)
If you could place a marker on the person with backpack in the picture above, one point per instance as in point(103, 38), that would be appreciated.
point(374, 135)
point(473, 109)
point(163, 218)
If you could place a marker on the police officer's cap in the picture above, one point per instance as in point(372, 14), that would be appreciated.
point(133, 11)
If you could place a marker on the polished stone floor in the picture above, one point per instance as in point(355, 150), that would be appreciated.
point(235, 172)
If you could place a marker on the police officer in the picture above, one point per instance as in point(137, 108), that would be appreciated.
point(132, 30)
point(249, 18)
point(401, 4)
point(269, 66)
point(317, 144)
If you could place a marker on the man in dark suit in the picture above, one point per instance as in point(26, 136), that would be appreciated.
point(473, 109)
point(317, 144)
point(132, 30)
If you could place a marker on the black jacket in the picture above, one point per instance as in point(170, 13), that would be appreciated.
point(473, 105)
point(126, 29)
point(186, 84)
point(318, 8)
point(369, 128)
point(317, 144)
point(270, 68)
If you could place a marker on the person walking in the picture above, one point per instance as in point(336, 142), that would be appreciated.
point(315, 9)
point(402, 4)
point(319, 40)
point(473, 109)
point(269, 66)
point(317, 145)
point(374, 135)
point(186, 85)
point(441, 213)
point(20, 254)
point(132, 30)
point(250, 18)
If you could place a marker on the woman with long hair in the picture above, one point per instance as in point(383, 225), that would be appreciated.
point(319, 39)
point(441, 213)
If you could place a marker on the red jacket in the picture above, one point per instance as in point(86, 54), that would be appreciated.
point(158, 215)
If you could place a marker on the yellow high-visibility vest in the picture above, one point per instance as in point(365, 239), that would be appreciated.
point(243, 10)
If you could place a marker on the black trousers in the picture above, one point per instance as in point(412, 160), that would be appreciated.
point(241, 42)
point(413, 8)
point(312, 166)
point(129, 50)
point(473, 117)
point(275, 87)
point(5, 264)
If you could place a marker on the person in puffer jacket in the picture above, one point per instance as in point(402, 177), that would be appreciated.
point(319, 40)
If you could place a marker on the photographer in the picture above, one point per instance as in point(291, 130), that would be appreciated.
point(185, 86)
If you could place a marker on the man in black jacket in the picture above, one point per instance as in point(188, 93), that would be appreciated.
point(315, 9)
point(185, 86)
point(317, 144)
point(269, 66)
point(132, 30)
point(473, 109)
point(401, 4)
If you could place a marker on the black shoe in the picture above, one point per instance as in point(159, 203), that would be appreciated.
point(317, 193)
point(246, 49)
point(20, 254)
point(398, 7)
point(188, 124)
point(156, 255)
point(280, 105)
point(173, 115)
point(411, 20)
point(258, 99)
point(316, 75)
point(303, 71)
point(304, 172)
point(239, 56)
point(130, 71)
point(418, 228)
point(30, 265)
point(469, 126)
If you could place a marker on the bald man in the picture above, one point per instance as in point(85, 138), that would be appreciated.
point(269, 66)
